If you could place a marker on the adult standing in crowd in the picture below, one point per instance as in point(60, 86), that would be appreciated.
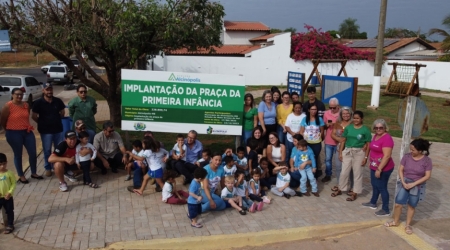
point(330, 116)
point(250, 117)
point(47, 113)
point(345, 119)
point(111, 152)
point(276, 152)
point(15, 118)
point(267, 113)
point(194, 150)
point(276, 96)
point(295, 97)
point(356, 141)
point(414, 171)
point(381, 166)
point(283, 110)
point(84, 107)
point(292, 126)
point(312, 131)
point(262, 143)
point(311, 92)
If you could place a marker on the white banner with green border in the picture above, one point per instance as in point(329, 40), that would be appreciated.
point(177, 102)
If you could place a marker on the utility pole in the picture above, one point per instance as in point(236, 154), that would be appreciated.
point(375, 101)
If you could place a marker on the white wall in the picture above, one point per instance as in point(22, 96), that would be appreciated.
point(269, 66)
point(241, 37)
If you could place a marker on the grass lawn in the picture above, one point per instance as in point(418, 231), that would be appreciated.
point(24, 59)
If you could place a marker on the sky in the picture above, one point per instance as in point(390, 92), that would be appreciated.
point(328, 14)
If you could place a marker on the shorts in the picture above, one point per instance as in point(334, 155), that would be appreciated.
point(194, 210)
point(404, 197)
point(158, 173)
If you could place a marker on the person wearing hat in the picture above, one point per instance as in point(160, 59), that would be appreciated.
point(84, 107)
point(63, 159)
point(47, 113)
point(80, 126)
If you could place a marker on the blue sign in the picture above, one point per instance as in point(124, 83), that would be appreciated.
point(342, 88)
point(295, 82)
point(5, 44)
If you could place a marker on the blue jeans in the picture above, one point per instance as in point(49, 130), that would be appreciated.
point(403, 197)
point(307, 174)
point(295, 179)
point(220, 204)
point(17, 139)
point(289, 147)
point(91, 135)
point(379, 186)
point(281, 134)
point(329, 151)
point(137, 176)
point(246, 203)
point(316, 148)
point(47, 140)
point(246, 134)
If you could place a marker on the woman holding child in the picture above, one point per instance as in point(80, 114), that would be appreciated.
point(276, 152)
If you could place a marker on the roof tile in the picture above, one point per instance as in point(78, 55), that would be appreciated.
point(245, 26)
point(223, 50)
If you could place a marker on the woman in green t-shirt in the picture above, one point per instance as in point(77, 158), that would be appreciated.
point(353, 152)
point(250, 118)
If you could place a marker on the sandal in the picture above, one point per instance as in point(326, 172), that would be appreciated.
point(137, 191)
point(198, 225)
point(350, 193)
point(335, 188)
point(93, 185)
point(352, 197)
point(408, 230)
point(390, 224)
point(8, 230)
point(336, 193)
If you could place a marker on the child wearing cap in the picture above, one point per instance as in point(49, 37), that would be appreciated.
point(7, 187)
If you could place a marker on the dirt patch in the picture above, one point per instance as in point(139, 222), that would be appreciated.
point(24, 59)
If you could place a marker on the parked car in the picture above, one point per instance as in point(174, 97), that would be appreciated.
point(31, 88)
point(5, 95)
point(59, 74)
point(45, 68)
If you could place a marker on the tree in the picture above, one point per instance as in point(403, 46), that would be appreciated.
point(113, 33)
point(316, 44)
point(290, 29)
point(401, 33)
point(275, 30)
point(446, 42)
point(349, 29)
point(333, 33)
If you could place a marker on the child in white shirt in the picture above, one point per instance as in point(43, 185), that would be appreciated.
point(242, 163)
point(135, 164)
point(229, 195)
point(242, 189)
point(229, 167)
point(283, 178)
point(170, 194)
point(206, 158)
point(84, 162)
point(179, 150)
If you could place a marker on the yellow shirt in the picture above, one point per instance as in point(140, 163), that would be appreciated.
point(282, 113)
point(7, 183)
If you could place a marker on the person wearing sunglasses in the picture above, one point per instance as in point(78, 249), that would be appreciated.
point(84, 107)
point(330, 116)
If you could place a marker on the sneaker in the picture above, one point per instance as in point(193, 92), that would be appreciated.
point(266, 199)
point(299, 194)
point(128, 178)
point(131, 188)
point(48, 173)
point(63, 186)
point(326, 178)
point(70, 177)
point(242, 212)
point(252, 208)
point(369, 205)
point(287, 196)
point(260, 206)
point(382, 213)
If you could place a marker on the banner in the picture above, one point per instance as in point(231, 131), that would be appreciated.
point(175, 102)
point(5, 44)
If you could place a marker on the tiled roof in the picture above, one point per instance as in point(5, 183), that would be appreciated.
point(263, 38)
point(436, 45)
point(405, 41)
point(224, 50)
point(245, 26)
point(390, 45)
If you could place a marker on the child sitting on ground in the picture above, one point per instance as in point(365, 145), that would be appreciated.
point(229, 168)
point(195, 197)
point(229, 195)
point(242, 163)
point(84, 162)
point(242, 189)
point(307, 171)
point(229, 152)
point(133, 163)
point(255, 191)
point(206, 158)
point(156, 158)
point(170, 194)
point(252, 156)
point(7, 187)
point(283, 178)
point(179, 151)
point(266, 180)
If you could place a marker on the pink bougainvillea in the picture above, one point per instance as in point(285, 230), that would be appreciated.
point(317, 44)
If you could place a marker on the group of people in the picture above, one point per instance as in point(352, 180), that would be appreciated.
point(280, 152)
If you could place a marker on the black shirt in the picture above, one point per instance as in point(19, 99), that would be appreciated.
point(63, 150)
point(254, 157)
point(49, 118)
point(320, 107)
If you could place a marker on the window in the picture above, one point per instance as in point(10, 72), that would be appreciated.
point(57, 69)
point(10, 81)
point(31, 81)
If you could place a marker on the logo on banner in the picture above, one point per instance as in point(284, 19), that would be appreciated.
point(210, 130)
point(182, 78)
point(139, 126)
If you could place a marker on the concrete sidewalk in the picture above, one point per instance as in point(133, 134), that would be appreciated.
point(94, 218)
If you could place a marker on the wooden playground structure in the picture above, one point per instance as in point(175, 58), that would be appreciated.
point(404, 80)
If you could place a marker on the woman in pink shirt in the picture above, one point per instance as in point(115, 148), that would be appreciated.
point(381, 166)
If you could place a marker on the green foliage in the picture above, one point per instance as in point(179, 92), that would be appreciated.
point(444, 58)
point(349, 28)
point(290, 29)
point(274, 30)
point(446, 42)
point(333, 33)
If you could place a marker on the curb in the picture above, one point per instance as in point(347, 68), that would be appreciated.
point(246, 239)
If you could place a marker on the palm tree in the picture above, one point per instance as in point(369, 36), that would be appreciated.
point(349, 29)
point(446, 42)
